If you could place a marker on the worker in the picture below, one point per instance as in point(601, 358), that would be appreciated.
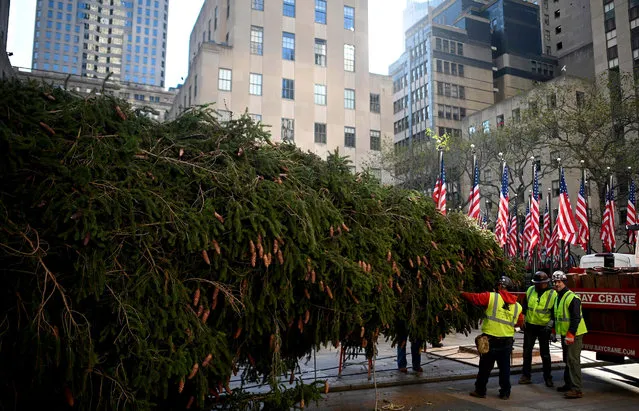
point(503, 313)
point(570, 325)
point(538, 306)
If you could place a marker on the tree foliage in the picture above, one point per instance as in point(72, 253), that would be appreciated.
point(144, 264)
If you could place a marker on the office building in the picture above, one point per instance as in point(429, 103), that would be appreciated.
point(302, 70)
point(5, 66)
point(95, 38)
point(567, 35)
point(615, 32)
point(462, 57)
point(416, 10)
point(153, 102)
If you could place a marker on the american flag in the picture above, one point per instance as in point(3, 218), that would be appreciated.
point(608, 222)
point(527, 225)
point(546, 242)
point(631, 216)
point(502, 216)
point(439, 193)
point(484, 221)
point(581, 215)
point(513, 235)
point(534, 214)
point(565, 218)
point(473, 201)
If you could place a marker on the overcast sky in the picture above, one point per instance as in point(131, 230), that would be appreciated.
point(385, 34)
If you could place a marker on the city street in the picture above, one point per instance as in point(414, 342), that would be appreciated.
point(614, 387)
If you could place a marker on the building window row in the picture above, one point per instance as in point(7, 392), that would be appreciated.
point(448, 67)
point(454, 132)
point(420, 115)
point(418, 72)
point(541, 68)
point(401, 104)
point(400, 125)
point(418, 51)
point(451, 112)
point(449, 46)
point(400, 83)
point(451, 90)
point(420, 93)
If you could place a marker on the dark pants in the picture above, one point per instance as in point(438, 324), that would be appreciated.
point(415, 351)
point(572, 358)
point(533, 332)
point(500, 351)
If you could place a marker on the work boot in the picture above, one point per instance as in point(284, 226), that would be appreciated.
point(572, 394)
point(477, 395)
point(403, 370)
point(504, 396)
point(418, 370)
point(524, 380)
point(564, 388)
point(549, 382)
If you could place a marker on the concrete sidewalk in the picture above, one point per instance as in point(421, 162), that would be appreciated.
point(439, 364)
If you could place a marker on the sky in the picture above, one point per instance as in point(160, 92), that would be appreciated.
point(386, 40)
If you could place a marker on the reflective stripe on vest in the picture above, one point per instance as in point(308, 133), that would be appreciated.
point(562, 323)
point(500, 327)
point(535, 314)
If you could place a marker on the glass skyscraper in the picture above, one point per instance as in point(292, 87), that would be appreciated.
point(94, 38)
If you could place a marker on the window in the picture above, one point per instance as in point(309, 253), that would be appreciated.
point(557, 29)
point(288, 89)
point(609, 6)
point(257, 40)
point(256, 117)
point(462, 92)
point(349, 57)
point(500, 121)
point(439, 66)
point(289, 8)
point(257, 5)
point(255, 84)
point(579, 96)
point(224, 79)
point(320, 94)
point(516, 114)
point(349, 136)
point(349, 18)
point(376, 140)
point(215, 19)
point(486, 126)
point(611, 38)
point(288, 129)
point(320, 52)
point(320, 11)
point(557, 13)
point(546, 19)
point(555, 188)
point(288, 46)
point(446, 67)
point(560, 45)
point(320, 133)
point(375, 106)
point(460, 49)
point(349, 98)
point(460, 70)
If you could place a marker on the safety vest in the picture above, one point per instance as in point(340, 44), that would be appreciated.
point(562, 316)
point(538, 312)
point(500, 322)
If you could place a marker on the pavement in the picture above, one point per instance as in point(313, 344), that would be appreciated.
point(448, 377)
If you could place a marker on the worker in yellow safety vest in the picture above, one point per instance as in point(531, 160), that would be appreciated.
point(538, 306)
point(570, 325)
point(503, 313)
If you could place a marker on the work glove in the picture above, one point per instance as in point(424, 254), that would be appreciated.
point(570, 338)
point(548, 328)
point(553, 337)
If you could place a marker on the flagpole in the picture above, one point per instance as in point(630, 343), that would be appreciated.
point(587, 199)
point(628, 239)
point(549, 205)
point(534, 260)
point(561, 240)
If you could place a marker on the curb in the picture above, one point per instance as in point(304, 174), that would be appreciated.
point(427, 380)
